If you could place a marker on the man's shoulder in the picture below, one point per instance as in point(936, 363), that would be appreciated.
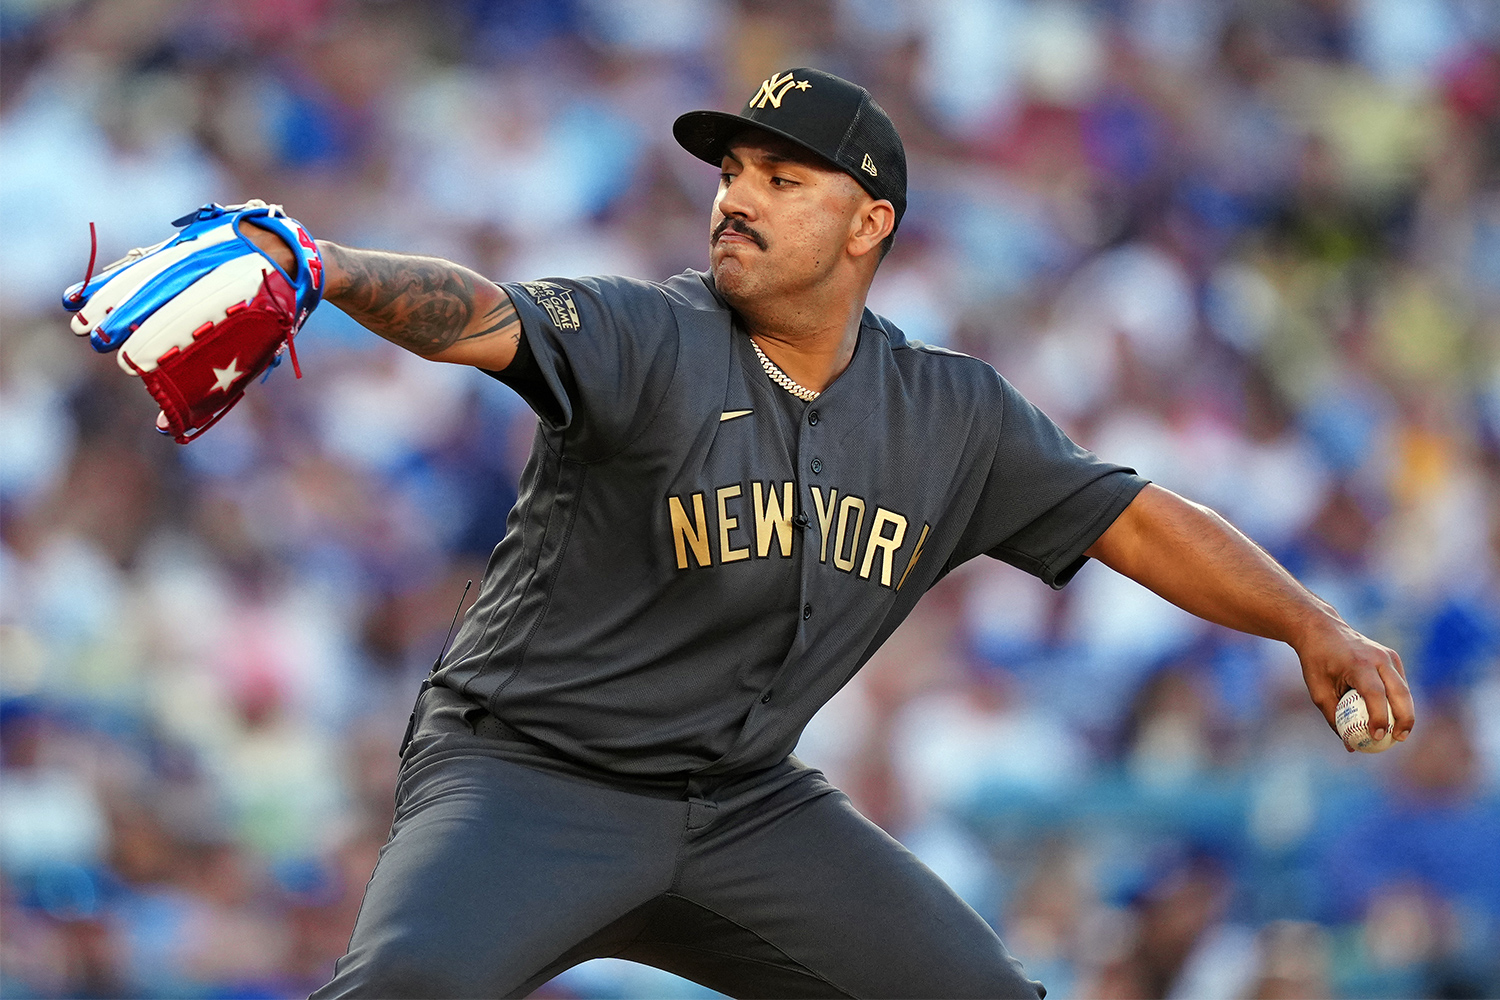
point(605, 287)
point(921, 359)
point(621, 300)
point(694, 289)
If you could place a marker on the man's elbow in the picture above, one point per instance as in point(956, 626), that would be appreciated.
point(1157, 521)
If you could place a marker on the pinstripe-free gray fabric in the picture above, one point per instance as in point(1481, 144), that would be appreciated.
point(699, 560)
point(503, 871)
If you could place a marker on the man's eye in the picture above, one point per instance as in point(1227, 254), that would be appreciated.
point(782, 182)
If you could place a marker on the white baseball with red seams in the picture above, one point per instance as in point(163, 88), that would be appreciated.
point(1352, 719)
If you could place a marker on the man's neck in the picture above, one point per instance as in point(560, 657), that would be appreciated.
point(812, 346)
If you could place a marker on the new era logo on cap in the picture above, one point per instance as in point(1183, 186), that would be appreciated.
point(820, 112)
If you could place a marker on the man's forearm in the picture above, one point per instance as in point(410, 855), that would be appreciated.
point(436, 308)
point(1201, 563)
point(431, 307)
point(1194, 558)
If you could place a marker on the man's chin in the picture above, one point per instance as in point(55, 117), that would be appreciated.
point(731, 277)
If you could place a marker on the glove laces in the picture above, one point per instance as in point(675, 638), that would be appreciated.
point(89, 273)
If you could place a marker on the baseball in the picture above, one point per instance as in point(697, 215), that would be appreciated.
point(1352, 719)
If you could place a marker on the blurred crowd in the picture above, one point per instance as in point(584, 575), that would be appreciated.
point(1250, 247)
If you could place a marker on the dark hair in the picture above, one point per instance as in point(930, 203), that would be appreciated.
point(886, 244)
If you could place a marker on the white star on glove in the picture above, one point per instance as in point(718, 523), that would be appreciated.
point(226, 377)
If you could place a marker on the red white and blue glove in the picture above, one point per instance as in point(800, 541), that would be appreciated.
point(200, 315)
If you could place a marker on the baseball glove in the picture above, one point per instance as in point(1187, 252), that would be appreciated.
point(200, 315)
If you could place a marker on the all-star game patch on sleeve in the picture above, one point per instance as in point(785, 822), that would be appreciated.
point(596, 357)
point(1046, 499)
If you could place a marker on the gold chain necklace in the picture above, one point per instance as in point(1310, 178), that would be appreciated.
point(782, 379)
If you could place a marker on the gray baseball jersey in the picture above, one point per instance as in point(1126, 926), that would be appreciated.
point(699, 560)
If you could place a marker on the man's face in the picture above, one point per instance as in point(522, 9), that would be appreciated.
point(781, 220)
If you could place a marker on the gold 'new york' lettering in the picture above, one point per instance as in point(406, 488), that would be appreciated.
point(885, 546)
point(689, 534)
point(825, 518)
point(841, 521)
point(724, 494)
point(858, 506)
point(772, 519)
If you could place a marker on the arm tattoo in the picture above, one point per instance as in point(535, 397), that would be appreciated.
point(497, 319)
point(420, 303)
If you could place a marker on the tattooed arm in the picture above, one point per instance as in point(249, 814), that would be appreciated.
point(431, 307)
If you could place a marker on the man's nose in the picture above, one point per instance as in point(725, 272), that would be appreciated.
point(735, 200)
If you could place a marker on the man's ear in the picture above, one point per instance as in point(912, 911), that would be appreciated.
point(872, 225)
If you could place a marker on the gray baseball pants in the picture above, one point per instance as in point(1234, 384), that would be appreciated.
point(501, 872)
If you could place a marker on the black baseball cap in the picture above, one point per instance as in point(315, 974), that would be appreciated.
point(823, 113)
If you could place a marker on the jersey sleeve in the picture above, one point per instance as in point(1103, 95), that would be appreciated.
point(596, 357)
point(1046, 499)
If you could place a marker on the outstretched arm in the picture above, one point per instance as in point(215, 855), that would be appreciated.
point(440, 310)
point(1194, 558)
point(432, 307)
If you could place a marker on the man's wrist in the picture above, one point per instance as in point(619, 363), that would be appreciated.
point(333, 269)
point(1317, 625)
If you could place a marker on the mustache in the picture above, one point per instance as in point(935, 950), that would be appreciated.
point(730, 222)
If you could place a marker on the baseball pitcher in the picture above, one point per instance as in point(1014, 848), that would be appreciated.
point(742, 482)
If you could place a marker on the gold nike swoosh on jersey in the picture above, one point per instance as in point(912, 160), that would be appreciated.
point(731, 414)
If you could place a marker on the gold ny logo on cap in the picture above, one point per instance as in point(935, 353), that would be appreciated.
point(868, 166)
point(774, 89)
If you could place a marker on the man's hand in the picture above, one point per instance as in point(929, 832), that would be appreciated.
point(1336, 658)
point(272, 246)
point(1200, 562)
point(431, 307)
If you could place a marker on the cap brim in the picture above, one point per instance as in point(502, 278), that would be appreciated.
point(707, 134)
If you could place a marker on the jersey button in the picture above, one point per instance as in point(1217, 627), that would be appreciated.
point(801, 520)
point(765, 698)
point(812, 417)
point(806, 612)
point(817, 466)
